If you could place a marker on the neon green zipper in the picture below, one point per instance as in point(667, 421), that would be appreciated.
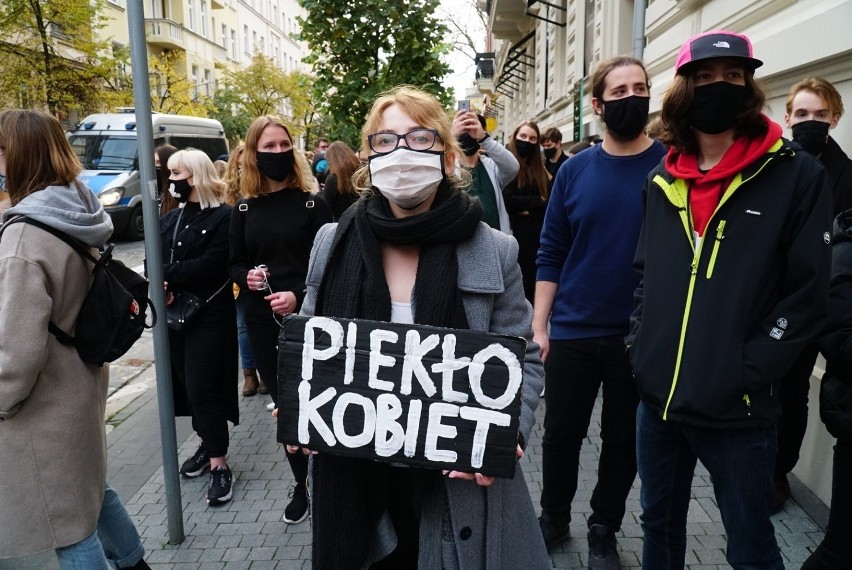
point(720, 235)
point(693, 272)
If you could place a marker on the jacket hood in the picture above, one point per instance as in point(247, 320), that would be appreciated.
point(741, 154)
point(843, 226)
point(73, 210)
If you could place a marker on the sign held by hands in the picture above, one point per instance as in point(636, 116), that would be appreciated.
point(414, 394)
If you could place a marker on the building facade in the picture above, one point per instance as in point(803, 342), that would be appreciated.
point(211, 36)
point(544, 52)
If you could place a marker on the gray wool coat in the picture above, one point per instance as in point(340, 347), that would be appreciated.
point(52, 438)
point(495, 527)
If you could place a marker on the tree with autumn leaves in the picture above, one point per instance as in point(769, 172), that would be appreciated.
point(51, 56)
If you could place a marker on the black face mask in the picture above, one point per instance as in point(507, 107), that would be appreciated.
point(715, 107)
point(812, 135)
point(468, 144)
point(276, 165)
point(525, 149)
point(180, 189)
point(549, 153)
point(626, 118)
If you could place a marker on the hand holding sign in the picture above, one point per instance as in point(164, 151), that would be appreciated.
point(413, 394)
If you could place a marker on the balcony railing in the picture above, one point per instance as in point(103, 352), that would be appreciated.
point(165, 33)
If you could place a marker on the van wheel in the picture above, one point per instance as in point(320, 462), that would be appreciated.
point(136, 225)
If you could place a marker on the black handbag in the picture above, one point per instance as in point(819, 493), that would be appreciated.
point(185, 307)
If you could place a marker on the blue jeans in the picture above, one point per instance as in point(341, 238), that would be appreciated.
point(246, 358)
point(115, 539)
point(88, 554)
point(740, 462)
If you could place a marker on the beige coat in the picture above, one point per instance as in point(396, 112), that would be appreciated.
point(52, 438)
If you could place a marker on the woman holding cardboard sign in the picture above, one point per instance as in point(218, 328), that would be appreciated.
point(416, 251)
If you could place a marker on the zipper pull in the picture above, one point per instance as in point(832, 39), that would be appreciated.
point(720, 230)
point(693, 268)
point(747, 401)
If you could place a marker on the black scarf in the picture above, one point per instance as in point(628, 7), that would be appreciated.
point(351, 494)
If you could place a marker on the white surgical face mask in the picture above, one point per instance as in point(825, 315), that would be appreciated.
point(407, 177)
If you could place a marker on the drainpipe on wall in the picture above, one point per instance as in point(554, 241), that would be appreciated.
point(639, 7)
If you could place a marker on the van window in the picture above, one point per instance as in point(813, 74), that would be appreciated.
point(105, 152)
point(212, 147)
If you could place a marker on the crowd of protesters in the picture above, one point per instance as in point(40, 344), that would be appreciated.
point(686, 268)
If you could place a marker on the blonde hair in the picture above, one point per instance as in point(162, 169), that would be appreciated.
point(822, 89)
point(232, 175)
point(425, 110)
point(210, 188)
point(251, 181)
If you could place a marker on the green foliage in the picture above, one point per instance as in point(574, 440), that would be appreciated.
point(171, 90)
point(360, 48)
point(50, 56)
point(225, 106)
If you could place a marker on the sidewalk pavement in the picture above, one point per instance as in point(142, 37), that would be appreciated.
point(248, 532)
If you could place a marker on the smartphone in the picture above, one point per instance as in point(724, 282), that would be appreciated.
point(464, 105)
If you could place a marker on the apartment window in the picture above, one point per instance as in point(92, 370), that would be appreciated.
point(224, 36)
point(275, 12)
point(190, 14)
point(253, 42)
point(213, 29)
point(194, 79)
point(234, 44)
point(246, 39)
point(204, 18)
point(207, 82)
point(263, 45)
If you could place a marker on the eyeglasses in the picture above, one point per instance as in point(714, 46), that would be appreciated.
point(418, 139)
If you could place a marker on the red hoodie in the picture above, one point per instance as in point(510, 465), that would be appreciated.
point(706, 189)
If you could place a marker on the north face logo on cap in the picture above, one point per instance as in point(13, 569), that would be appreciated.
point(722, 45)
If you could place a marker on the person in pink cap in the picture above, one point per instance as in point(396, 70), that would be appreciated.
point(734, 257)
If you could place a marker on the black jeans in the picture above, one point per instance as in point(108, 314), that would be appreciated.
point(835, 551)
point(793, 395)
point(574, 372)
point(263, 336)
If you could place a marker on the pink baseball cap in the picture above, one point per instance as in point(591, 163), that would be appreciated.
point(715, 43)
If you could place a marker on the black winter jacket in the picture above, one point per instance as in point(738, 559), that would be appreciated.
point(716, 325)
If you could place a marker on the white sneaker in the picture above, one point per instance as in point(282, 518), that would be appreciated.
point(270, 406)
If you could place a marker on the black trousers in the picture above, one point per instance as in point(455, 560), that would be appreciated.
point(835, 551)
point(204, 370)
point(263, 336)
point(793, 395)
point(574, 372)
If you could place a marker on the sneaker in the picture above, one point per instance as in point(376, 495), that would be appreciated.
point(553, 533)
point(220, 488)
point(270, 406)
point(297, 510)
point(780, 493)
point(602, 552)
point(197, 464)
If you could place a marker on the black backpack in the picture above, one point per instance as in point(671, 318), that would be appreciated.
point(113, 315)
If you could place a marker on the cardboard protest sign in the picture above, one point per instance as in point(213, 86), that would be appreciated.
point(414, 394)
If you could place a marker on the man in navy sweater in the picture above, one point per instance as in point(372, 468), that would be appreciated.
point(584, 288)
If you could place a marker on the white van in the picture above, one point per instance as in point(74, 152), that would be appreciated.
point(106, 145)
